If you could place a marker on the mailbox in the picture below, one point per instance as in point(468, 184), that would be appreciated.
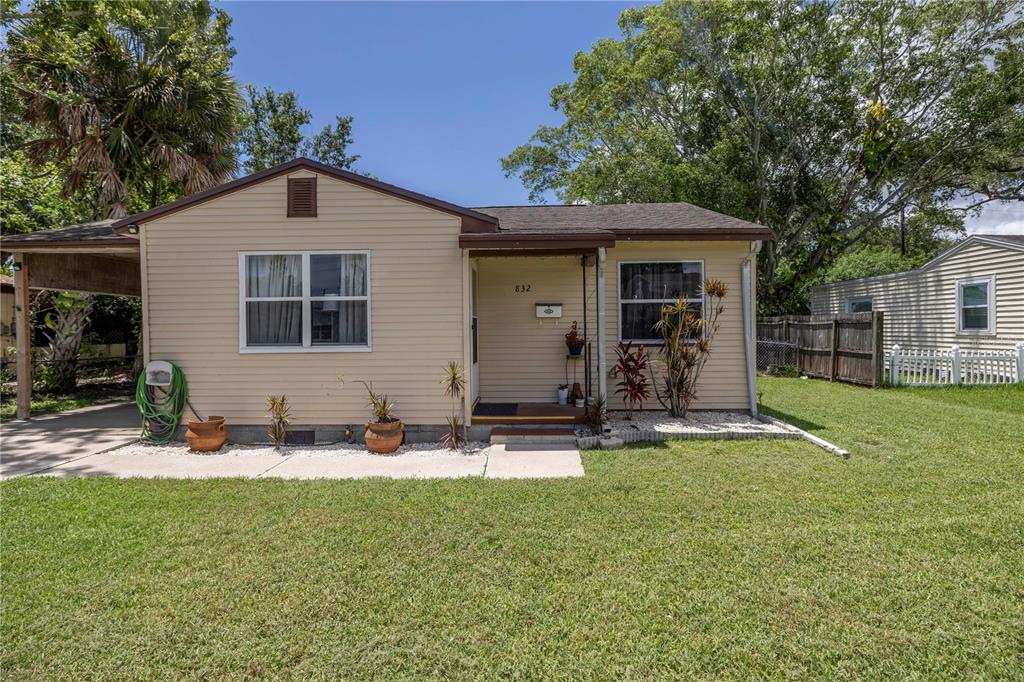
point(549, 310)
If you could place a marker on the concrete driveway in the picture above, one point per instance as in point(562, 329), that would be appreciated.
point(42, 443)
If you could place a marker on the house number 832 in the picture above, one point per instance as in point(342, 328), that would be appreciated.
point(522, 288)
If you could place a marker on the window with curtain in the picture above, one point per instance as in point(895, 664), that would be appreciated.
point(298, 301)
point(645, 287)
point(975, 302)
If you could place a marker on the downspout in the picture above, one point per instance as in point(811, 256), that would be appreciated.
point(602, 369)
point(748, 327)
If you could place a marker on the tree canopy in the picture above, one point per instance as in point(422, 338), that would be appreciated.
point(825, 121)
point(126, 95)
point(270, 132)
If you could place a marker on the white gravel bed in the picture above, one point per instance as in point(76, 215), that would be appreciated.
point(329, 450)
point(695, 423)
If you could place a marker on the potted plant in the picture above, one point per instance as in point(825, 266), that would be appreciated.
point(574, 341)
point(563, 394)
point(385, 431)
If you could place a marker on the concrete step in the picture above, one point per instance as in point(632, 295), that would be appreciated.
point(533, 435)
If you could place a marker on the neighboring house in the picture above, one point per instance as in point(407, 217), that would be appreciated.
point(282, 281)
point(972, 296)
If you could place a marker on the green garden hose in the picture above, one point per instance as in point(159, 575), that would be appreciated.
point(161, 407)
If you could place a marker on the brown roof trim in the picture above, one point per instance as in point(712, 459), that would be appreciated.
point(38, 245)
point(539, 240)
point(472, 221)
point(710, 234)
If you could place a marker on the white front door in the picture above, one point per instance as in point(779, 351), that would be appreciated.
point(474, 372)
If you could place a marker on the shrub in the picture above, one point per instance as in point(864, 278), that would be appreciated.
point(687, 336)
point(280, 419)
point(631, 366)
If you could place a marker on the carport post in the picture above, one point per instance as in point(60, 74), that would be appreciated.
point(23, 336)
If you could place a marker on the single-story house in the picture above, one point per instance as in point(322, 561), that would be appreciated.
point(971, 295)
point(284, 280)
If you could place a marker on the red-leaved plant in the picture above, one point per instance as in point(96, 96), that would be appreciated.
point(631, 367)
point(574, 340)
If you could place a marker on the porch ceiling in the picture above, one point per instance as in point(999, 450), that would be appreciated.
point(527, 243)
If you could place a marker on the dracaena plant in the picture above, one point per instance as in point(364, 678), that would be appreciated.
point(631, 368)
point(280, 419)
point(454, 387)
point(687, 334)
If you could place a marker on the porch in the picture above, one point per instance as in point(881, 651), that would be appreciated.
point(525, 295)
point(527, 413)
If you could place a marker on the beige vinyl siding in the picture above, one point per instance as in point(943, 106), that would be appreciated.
point(522, 358)
point(920, 306)
point(723, 383)
point(416, 302)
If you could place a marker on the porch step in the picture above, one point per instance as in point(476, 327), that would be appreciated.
point(533, 435)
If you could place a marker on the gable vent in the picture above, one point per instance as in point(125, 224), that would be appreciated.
point(301, 197)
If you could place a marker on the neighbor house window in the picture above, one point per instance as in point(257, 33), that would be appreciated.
point(858, 305)
point(976, 305)
point(305, 301)
point(645, 287)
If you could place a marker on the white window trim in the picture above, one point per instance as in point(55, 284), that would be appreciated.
point(990, 329)
point(306, 298)
point(618, 295)
point(859, 299)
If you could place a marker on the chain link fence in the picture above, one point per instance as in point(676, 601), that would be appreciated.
point(773, 356)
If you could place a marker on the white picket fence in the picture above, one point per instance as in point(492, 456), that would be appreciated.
point(954, 366)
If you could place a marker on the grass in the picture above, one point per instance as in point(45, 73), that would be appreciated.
point(699, 559)
point(83, 396)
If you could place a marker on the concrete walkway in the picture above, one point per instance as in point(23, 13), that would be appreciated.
point(88, 442)
point(41, 443)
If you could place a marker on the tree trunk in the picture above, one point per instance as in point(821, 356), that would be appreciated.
point(67, 325)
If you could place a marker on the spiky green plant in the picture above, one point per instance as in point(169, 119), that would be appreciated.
point(280, 419)
point(454, 385)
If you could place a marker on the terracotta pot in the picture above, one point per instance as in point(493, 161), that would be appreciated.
point(384, 438)
point(207, 436)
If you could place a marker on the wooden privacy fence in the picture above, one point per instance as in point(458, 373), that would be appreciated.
point(955, 366)
point(835, 347)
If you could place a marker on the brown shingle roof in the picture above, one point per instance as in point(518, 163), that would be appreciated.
point(630, 221)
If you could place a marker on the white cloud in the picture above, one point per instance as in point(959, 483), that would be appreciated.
point(998, 218)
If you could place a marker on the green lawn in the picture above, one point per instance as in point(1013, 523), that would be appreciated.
point(83, 396)
point(715, 559)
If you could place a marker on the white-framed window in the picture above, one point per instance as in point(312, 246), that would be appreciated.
point(859, 305)
point(976, 306)
point(304, 301)
point(644, 287)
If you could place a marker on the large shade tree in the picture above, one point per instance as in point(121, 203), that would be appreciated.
point(824, 121)
point(133, 99)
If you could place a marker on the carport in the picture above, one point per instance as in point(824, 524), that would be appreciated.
point(89, 258)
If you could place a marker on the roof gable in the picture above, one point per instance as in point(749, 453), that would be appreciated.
point(472, 221)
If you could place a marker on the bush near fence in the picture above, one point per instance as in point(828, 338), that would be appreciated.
point(846, 347)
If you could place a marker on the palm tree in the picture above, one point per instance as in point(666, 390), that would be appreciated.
point(134, 98)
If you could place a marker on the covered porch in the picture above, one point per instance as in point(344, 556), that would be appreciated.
point(526, 292)
point(88, 258)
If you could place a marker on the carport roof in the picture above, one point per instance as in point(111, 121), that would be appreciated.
point(99, 234)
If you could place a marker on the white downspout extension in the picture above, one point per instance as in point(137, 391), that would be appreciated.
point(748, 325)
point(602, 368)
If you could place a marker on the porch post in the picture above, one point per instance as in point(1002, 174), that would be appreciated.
point(602, 369)
point(23, 337)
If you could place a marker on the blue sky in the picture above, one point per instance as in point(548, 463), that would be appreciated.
point(439, 91)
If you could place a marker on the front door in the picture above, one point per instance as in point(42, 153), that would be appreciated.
point(474, 372)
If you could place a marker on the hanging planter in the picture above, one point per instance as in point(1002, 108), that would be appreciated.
point(574, 341)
